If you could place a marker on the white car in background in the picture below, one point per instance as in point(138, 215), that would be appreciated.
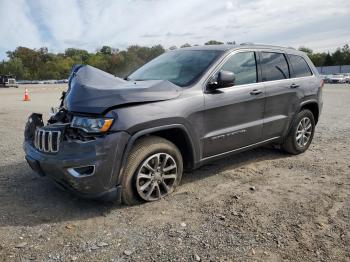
point(347, 78)
point(337, 79)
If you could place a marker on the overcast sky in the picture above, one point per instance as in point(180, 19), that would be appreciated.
point(319, 24)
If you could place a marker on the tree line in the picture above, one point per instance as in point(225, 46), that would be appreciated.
point(40, 64)
point(341, 56)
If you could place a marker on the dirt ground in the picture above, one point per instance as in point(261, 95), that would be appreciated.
point(261, 205)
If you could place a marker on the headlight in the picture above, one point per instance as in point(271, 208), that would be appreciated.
point(92, 125)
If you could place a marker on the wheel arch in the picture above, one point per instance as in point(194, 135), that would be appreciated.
point(175, 133)
point(313, 107)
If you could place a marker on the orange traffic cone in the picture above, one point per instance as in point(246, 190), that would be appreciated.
point(26, 95)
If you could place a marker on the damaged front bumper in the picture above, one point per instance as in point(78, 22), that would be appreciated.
point(88, 168)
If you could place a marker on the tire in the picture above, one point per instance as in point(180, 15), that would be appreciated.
point(138, 179)
point(291, 143)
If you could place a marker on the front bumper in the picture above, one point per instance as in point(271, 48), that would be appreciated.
point(105, 154)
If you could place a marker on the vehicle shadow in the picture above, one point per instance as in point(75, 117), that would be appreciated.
point(27, 199)
point(232, 162)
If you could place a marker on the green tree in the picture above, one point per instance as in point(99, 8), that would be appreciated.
point(306, 50)
point(318, 58)
point(346, 53)
point(185, 45)
point(78, 55)
point(30, 58)
point(33, 64)
point(338, 57)
point(214, 42)
point(98, 60)
point(328, 60)
point(156, 50)
point(15, 67)
point(116, 63)
point(106, 50)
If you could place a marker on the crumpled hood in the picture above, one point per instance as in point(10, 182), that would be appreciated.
point(94, 91)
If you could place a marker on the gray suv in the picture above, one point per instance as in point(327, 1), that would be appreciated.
point(131, 139)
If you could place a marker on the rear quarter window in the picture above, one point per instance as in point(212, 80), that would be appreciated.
point(299, 65)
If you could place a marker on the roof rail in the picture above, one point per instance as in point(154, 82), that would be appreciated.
point(259, 44)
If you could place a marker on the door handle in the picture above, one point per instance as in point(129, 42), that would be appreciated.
point(255, 92)
point(294, 86)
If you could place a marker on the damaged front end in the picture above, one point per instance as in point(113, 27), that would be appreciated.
point(47, 138)
point(80, 147)
point(77, 151)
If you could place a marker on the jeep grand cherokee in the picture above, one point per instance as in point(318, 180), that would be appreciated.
point(130, 139)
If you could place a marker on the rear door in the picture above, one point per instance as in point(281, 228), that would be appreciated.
point(234, 115)
point(302, 75)
point(282, 94)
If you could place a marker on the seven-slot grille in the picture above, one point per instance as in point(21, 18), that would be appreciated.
point(47, 140)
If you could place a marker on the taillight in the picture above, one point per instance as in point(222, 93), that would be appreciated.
point(322, 83)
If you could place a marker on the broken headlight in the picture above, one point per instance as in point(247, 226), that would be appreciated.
point(92, 125)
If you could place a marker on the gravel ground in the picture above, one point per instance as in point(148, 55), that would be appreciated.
point(260, 205)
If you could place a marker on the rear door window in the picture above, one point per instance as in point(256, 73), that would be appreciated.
point(300, 67)
point(274, 66)
point(243, 65)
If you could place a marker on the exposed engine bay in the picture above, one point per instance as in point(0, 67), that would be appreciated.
point(43, 136)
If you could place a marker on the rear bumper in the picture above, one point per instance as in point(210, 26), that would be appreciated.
point(104, 154)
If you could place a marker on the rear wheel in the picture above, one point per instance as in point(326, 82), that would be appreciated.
point(154, 169)
point(301, 133)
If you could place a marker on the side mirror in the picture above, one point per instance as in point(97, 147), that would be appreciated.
point(222, 80)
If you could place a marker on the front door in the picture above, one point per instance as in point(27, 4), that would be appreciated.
point(234, 115)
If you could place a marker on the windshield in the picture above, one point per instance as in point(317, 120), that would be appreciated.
point(181, 67)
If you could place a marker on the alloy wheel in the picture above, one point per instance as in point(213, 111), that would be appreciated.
point(156, 177)
point(304, 132)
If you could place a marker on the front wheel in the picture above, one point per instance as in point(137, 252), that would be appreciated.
point(154, 169)
point(301, 133)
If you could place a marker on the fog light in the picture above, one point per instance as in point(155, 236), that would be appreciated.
point(82, 171)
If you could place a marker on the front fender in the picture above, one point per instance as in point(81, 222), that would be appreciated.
point(148, 131)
